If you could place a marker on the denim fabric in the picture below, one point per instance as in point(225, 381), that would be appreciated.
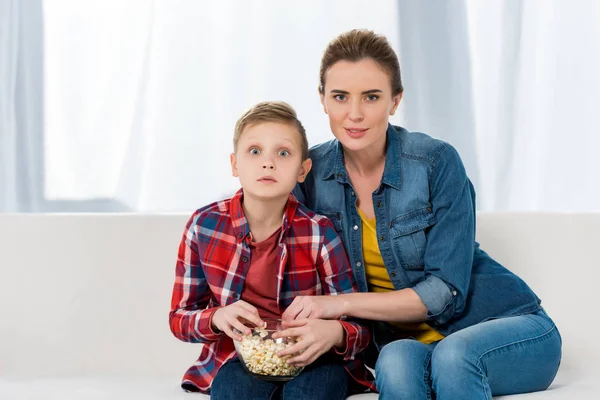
point(498, 357)
point(324, 379)
point(425, 211)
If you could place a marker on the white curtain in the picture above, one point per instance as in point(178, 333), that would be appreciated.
point(514, 86)
point(21, 88)
point(140, 97)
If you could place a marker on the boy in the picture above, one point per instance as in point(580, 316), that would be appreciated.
point(248, 257)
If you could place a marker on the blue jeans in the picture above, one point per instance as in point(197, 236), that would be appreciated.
point(498, 357)
point(324, 379)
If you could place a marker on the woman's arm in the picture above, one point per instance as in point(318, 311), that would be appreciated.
point(399, 306)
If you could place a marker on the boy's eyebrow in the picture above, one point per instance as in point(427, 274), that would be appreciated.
point(370, 91)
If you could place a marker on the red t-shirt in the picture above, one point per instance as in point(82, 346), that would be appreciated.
point(260, 288)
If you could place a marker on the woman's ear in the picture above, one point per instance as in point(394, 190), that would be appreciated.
point(322, 96)
point(396, 102)
point(233, 161)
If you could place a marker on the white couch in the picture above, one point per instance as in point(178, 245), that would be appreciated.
point(84, 301)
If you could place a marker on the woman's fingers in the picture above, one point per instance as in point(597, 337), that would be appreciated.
point(291, 329)
point(293, 309)
point(293, 349)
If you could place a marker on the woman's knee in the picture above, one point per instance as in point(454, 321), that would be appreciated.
point(452, 357)
point(402, 370)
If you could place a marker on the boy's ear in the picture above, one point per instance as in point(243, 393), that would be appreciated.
point(396, 99)
point(233, 161)
point(304, 169)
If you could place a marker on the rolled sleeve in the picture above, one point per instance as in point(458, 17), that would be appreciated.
point(438, 297)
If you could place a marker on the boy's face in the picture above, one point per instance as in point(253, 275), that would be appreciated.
point(268, 160)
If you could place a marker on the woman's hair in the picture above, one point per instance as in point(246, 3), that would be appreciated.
point(357, 45)
point(271, 111)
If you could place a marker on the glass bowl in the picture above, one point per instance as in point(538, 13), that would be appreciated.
point(258, 353)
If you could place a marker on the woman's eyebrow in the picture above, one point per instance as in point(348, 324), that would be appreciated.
point(370, 91)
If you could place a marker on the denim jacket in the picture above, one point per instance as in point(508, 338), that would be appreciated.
point(425, 213)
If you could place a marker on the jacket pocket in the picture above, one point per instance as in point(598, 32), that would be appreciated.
point(409, 238)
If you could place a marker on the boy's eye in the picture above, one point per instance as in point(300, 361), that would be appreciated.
point(284, 153)
point(254, 151)
point(340, 97)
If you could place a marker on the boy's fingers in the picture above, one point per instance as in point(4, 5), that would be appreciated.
point(229, 332)
point(247, 306)
point(250, 317)
point(235, 323)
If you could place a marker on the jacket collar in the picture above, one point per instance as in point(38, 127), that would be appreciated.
point(334, 162)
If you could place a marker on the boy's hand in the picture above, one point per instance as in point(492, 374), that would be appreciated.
point(229, 317)
point(317, 336)
point(325, 307)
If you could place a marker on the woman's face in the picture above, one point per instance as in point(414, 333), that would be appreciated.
point(358, 99)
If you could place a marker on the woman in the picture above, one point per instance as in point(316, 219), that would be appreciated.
point(447, 318)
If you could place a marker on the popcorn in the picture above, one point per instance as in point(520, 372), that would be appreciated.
point(260, 355)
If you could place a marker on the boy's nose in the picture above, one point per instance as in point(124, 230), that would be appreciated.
point(268, 166)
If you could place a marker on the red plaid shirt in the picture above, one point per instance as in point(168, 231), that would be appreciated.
point(212, 263)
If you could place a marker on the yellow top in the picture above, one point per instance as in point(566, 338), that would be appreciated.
point(379, 281)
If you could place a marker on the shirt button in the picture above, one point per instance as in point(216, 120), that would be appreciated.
point(240, 235)
point(245, 259)
point(358, 264)
point(355, 227)
point(454, 293)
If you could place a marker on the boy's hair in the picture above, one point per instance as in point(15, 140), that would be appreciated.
point(271, 111)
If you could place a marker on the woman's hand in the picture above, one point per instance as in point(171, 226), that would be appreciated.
point(317, 336)
point(234, 316)
point(325, 307)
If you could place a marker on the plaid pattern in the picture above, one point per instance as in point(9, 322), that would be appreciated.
point(212, 263)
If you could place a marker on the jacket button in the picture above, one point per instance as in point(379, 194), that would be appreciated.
point(353, 194)
point(382, 238)
point(454, 293)
point(340, 176)
point(429, 209)
point(393, 274)
point(355, 227)
point(240, 235)
point(378, 204)
point(358, 264)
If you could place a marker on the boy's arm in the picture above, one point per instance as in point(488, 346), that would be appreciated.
point(189, 319)
point(336, 278)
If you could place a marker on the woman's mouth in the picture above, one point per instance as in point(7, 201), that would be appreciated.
point(356, 133)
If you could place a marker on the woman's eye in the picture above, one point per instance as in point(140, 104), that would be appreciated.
point(372, 97)
point(284, 153)
point(254, 151)
point(340, 97)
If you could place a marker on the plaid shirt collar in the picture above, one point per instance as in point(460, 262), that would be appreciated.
point(240, 223)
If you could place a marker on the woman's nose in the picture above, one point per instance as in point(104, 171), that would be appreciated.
point(355, 114)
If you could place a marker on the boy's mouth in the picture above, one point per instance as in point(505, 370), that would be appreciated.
point(267, 179)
